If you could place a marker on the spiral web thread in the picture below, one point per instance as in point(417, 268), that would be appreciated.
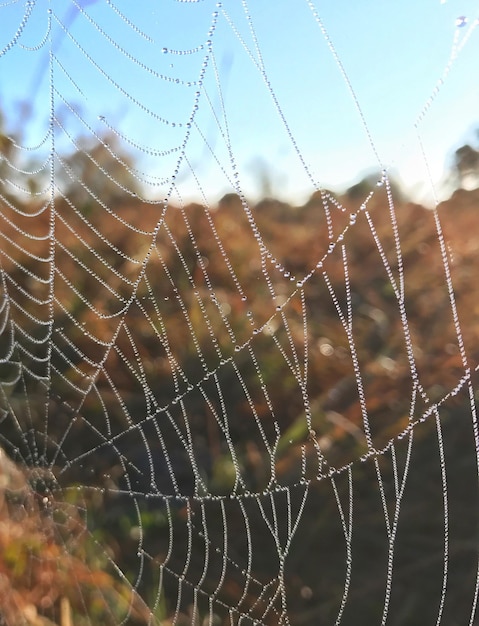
point(272, 434)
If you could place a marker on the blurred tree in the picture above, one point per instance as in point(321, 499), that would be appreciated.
point(466, 166)
point(266, 180)
point(368, 183)
point(101, 169)
point(7, 147)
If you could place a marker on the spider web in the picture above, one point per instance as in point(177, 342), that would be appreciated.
point(226, 412)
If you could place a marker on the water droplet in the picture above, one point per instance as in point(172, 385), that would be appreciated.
point(243, 298)
point(101, 118)
point(164, 50)
point(461, 21)
point(237, 348)
point(278, 308)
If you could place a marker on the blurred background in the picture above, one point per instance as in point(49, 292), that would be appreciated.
point(239, 334)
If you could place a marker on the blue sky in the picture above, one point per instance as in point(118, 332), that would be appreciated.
point(284, 110)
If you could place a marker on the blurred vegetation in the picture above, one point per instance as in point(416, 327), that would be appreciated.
point(52, 570)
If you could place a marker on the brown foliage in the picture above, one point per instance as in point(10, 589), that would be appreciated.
point(49, 573)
